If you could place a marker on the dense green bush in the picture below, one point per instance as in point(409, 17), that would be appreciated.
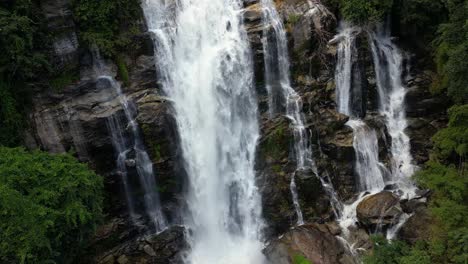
point(445, 174)
point(108, 24)
point(49, 205)
point(396, 252)
point(300, 259)
point(23, 42)
point(451, 143)
point(451, 52)
point(365, 11)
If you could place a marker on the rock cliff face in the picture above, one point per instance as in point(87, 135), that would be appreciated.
point(74, 119)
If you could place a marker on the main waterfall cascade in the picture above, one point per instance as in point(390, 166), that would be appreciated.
point(131, 151)
point(204, 63)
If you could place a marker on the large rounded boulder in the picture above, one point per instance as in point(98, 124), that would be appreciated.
point(379, 210)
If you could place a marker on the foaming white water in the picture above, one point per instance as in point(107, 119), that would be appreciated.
point(281, 94)
point(388, 63)
point(346, 39)
point(204, 64)
point(368, 166)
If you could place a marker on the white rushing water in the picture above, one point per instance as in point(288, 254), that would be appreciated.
point(126, 140)
point(280, 92)
point(368, 168)
point(388, 64)
point(372, 174)
point(205, 67)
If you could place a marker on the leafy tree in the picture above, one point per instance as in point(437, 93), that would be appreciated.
point(49, 205)
point(452, 52)
point(23, 43)
point(101, 23)
point(365, 11)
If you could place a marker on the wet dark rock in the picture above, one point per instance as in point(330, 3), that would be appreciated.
point(314, 242)
point(163, 248)
point(417, 227)
point(313, 199)
point(410, 206)
point(274, 175)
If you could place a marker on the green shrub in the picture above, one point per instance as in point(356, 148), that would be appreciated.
point(300, 259)
point(22, 41)
point(108, 24)
point(67, 77)
point(49, 205)
point(446, 176)
point(365, 11)
point(451, 52)
point(123, 70)
point(11, 121)
point(451, 143)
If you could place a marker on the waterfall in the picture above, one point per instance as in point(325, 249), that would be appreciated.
point(130, 150)
point(388, 64)
point(280, 92)
point(368, 168)
point(205, 66)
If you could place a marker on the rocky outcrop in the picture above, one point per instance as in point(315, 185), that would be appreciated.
point(416, 227)
point(426, 114)
point(274, 171)
point(163, 248)
point(315, 243)
point(382, 209)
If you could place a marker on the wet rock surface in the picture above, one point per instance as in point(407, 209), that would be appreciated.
point(163, 248)
point(380, 209)
point(314, 242)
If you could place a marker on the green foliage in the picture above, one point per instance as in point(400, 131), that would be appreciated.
point(11, 121)
point(64, 79)
point(49, 205)
point(123, 71)
point(300, 259)
point(451, 143)
point(22, 41)
point(451, 52)
point(276, 142)
point(446, 176)
point(365, 11)
point(396, 252)
point(293, 19)
point(101, 23)
point(23, 44)
point(417, 22)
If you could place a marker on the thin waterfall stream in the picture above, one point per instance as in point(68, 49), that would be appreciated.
point(131, 151)
point(281, 93)
point(204, 64)
point(389, 68)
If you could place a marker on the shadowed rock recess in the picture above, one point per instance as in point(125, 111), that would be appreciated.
point(75, 119)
